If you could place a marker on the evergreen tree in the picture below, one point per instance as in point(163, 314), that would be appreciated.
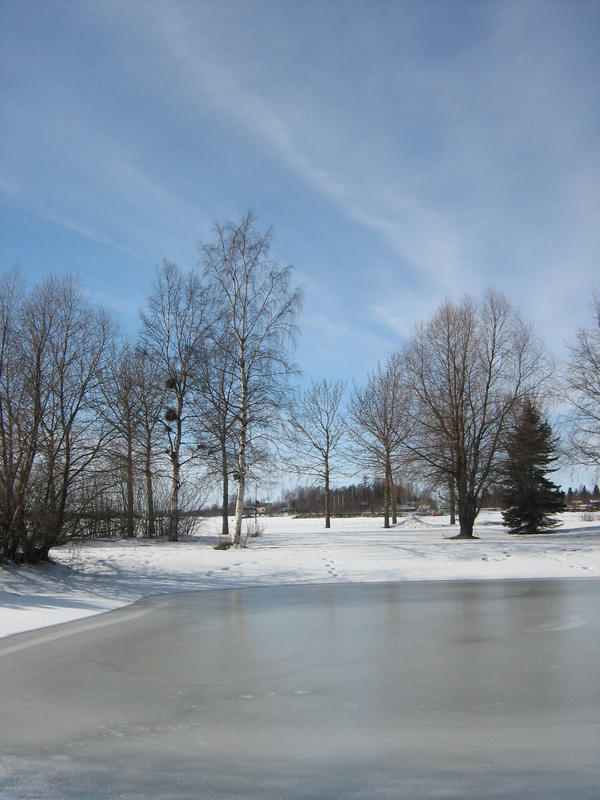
point(530, 498)
point(584, 495)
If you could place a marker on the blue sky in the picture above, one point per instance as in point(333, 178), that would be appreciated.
point(404, 152)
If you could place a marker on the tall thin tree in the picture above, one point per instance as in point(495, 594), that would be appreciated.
point(216, 416)
point(261, 307)
point(377, 425)
point(175, 326)
point(316, 433)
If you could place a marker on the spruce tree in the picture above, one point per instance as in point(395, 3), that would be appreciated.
point(531, 500)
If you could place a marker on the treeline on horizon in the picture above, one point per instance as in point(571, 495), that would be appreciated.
point(367, 497)
point(104, 433)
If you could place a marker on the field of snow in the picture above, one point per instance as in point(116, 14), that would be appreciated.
point(96, 576)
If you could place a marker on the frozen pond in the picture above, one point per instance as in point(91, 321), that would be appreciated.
point(462, 690)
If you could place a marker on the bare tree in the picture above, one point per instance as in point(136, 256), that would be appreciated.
point(468, 368)
point(377, 423)
point(175, 326)
point(131, 405)
point(122, 414)
point(216, 416)
point(21, 408)
point(71, 435)
point(53, 348)
point(583, 391)
point(316, 432)
point(254, 292)
point(149, 392)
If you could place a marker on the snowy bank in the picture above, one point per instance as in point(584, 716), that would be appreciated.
point(96, 576)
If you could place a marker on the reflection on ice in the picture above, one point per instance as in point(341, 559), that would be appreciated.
point(382, 691)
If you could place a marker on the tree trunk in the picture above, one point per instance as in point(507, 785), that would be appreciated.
point(452, 504)
point(225, 481)
point(130, 498)
point(174, 510)
point(151, 531)
point(327, 496)
point(59, 522)
point(386, 504)
point(467, 511)
point(392, 491)
point(175, 473)
point(239, 503)
point(150, 504)
point(241, 482)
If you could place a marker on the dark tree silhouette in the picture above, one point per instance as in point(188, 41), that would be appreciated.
point(531, 499)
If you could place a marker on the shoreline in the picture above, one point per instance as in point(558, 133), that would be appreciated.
point(93, 577)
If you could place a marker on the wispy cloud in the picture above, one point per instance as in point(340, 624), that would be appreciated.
point(459, 138)
point(489, 199)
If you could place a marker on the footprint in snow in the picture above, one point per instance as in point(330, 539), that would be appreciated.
point(331, 568)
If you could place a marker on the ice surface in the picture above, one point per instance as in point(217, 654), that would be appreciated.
point(453, 689)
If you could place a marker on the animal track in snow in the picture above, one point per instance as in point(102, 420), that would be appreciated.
point(330, 566)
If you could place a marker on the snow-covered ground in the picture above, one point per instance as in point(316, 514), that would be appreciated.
point(93, 577)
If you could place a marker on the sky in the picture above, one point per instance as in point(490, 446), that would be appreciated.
point(402, 152)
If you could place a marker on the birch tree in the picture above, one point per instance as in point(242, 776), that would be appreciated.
point(175, 326)
point(216, 416)
point(316, 433)
point(377, 423)
point(254, 292)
